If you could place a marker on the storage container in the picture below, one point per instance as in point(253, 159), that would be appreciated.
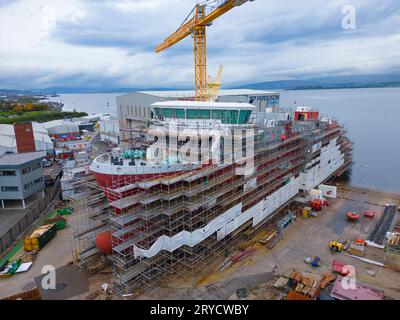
point(40, 237)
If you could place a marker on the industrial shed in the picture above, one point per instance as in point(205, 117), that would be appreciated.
point(109, 130)
point(8, 141)
point(59, 127)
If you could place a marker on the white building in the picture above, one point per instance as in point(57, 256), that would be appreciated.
point(91, 118)
point(75, 145)
point(8, 141)
point(109, 130)
point(21, 176)
point(58, 127)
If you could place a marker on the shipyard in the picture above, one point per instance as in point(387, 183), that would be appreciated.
point(216, 193)
point(100, 217)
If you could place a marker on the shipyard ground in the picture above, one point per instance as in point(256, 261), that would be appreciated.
point(304, 238)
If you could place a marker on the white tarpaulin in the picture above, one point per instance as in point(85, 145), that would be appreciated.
point(192, 238)
point(328, 191)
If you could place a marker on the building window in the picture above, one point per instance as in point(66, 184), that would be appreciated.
point(28, 185)
point(26, 170)
point(8, 173)
point(36, 166)
point(39, 180)
point(9, 189)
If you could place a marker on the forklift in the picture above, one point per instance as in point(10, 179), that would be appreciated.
point(335, 246)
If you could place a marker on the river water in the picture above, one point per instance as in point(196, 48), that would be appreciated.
point(371, 117)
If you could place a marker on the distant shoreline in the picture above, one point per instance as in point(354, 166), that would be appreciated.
point(252, 87)
point(344, 87)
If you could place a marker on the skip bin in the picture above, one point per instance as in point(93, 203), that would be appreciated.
point(58, 221)
point(40, 237)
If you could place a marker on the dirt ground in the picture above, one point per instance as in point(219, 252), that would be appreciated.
point(58, 253)
point(304, 238)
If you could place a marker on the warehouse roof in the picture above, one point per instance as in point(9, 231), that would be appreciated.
point(16, 159)
point(190, 93)
point(7, 135)
point(56, 123)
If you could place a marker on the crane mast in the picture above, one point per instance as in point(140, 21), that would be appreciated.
point(196, 26)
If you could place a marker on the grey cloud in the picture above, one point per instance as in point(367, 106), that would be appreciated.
point(256, 42)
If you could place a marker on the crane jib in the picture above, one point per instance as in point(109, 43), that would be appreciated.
point(196, 26)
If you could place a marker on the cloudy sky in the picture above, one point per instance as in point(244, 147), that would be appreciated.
point(110, 43)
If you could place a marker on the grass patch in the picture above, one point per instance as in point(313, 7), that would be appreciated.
point(39, 116)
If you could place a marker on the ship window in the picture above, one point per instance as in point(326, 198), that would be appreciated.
point(180, 113)
point(234, 116)
point(226, 116)
point(242, 116)
point(168, 113)
point(158, 112)
point(216, 114)
point(192, 114)
point(248, 116)
point(204, 114)
point(222, 115)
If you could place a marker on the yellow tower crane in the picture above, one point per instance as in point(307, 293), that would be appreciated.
point(202, 15)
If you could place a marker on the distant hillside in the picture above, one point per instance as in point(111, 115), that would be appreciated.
point(337, 82)
point(14, 92)
point(340, 82)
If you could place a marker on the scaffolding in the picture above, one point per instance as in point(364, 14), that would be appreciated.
point(139, 209)
point(91, 217)
point(145, 208)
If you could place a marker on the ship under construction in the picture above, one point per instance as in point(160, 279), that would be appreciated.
point(200, 176)
point(185, 195)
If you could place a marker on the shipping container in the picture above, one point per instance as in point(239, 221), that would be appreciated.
point(40, 237)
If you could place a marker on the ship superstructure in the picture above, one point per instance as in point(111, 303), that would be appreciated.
point(201, 178)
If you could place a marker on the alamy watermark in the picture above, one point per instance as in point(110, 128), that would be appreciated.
point(349, 281)
point(202, 146)
point(349, 20)
point(61, 283)
point(49, 279)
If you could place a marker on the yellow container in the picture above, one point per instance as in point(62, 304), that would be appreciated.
point(40, 237)
point(31, 244)
point(306, 211)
